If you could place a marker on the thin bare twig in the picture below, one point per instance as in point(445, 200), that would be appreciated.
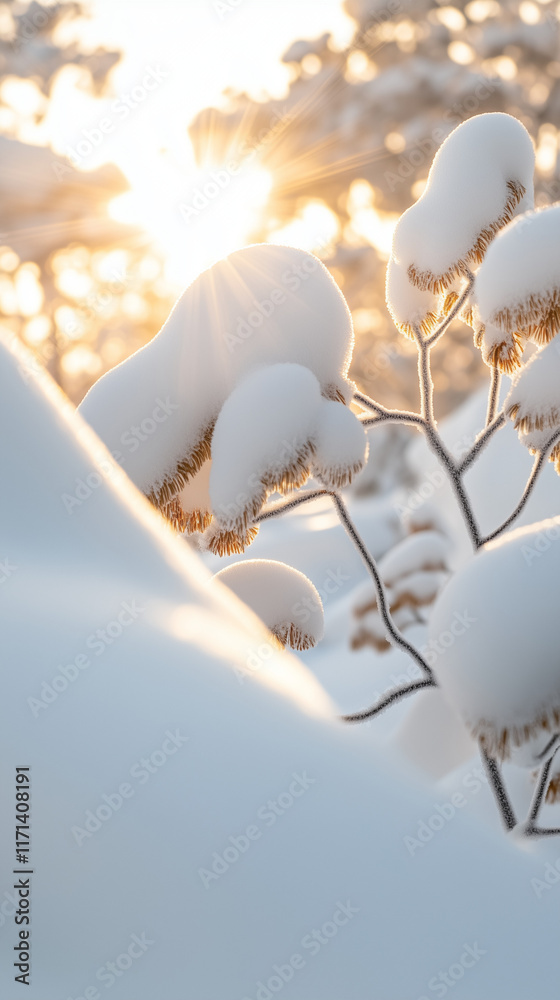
point(394, 633)
point(531, 828)
point(396, 695)
point(434, 337)
point(425, 378)
point(382, 602)
point(383, 414)
point(493, 395)
point(481, 442)
point(499, 789)
point(539, 462)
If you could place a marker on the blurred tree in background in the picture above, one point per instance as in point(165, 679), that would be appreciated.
point(350, 147)
point(79, 288)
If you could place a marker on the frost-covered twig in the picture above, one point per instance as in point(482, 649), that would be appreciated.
point(396, 695)
point(425, 378)
point(540, 460)
point(493, 395)
point(395, 635)
point(275, 510)
point(499, 789)
point(394, 417)
point(531, 828)
point(382, 603)
point(384, 415)
point(431, 340)
point(481, 442)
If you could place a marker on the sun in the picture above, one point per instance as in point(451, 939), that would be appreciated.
point(194, 217)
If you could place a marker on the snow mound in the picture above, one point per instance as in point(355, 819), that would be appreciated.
point(500, 669)
point(518, 285)
point(174, 785)
point(282, 597)
point(480, 177)
point(263, 304)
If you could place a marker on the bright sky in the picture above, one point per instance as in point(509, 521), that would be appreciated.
point(181, 55)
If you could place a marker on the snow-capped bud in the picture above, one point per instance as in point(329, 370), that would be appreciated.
point(518, 285)
point(261, 305)
point(282, 597)
point(480, 177)
point(340, 446)
point(409, 306)
point(499, 349)
point(533, 402)
point(495, 625)
point(262, 444)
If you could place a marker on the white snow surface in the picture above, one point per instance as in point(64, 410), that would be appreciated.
point(280, 595)
point(522, 261)
point(261, 305)
point(501, 666)
point(173, 669)
point(466, 192)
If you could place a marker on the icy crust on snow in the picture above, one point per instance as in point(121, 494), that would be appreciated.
point(533, 402)
point(502, 672)
point(409, 305)
point(480, 177)
point(518, 284)
point(340, 445)
point(282, 597)
point(261, 305)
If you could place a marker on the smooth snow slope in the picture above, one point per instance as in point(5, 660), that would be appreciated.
point(332, 855)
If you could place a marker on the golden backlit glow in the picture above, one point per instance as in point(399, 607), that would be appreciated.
point(315, 228)
point(212, 216)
